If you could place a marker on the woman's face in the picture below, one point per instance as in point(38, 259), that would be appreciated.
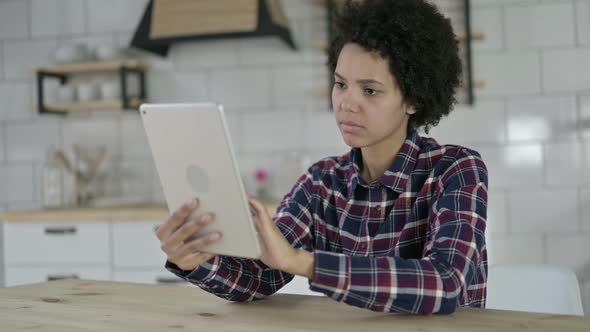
point(368, 105)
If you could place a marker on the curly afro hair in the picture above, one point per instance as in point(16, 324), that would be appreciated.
point(419, 43)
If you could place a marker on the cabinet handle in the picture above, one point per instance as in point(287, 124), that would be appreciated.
point(169, 280)
point(60, 230)
point(52, 277)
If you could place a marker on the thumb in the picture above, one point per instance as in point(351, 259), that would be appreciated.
point(256, 206)
point(260, 213)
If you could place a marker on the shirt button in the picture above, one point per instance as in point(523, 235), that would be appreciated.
point(378, 208)
point(363, 246)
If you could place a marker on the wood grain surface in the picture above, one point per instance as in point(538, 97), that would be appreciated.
point(81, 305)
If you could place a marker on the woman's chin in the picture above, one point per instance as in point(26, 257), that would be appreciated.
point(352, 142)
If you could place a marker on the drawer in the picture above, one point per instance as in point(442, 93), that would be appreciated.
point(29, 275)
point(157, 276)
point(40, 244)
point(300, 286)
point(135, 245)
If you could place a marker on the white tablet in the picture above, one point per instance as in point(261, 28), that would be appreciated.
point(193, 153)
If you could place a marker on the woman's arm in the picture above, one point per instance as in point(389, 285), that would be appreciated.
point(435, 283)
point(238, 279)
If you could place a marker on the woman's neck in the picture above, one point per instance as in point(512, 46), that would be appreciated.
point(378, 157)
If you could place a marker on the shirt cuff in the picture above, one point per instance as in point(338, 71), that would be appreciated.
point(331, 274)
point(203, 273)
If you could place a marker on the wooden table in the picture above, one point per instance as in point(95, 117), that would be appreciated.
point(80, 305)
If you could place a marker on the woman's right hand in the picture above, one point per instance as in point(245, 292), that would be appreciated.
point(177, 239)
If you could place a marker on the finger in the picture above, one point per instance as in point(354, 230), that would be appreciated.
point(192, 261)
point(196, 245)
point(257, 206)
point(262, 218)
point(185, 231)
point(176, 219)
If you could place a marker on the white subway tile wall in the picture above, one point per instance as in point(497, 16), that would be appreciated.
point(568, 250)
point(584, 123)
point(2, 143)
point(513, 166)
point(508, 73)
point(564, 70)
point(585, 202)
point(544, 211)
point(114, 15)
point(565, 158)
point(17, 182)
point(1, 60)
point(92, 133)
point(516, 248)
point(22, 56)
point(583, 20)
point(531, 120)
point(134, 142)
point(497, 221)
point(16, 100)
point(57, 17)
point(27, 141)
point(166, 86)
point(540, 25)
point(490, 21)
point(542, 119)
point(207, 54)
point(14, 19)
point(248, 87)
point(275, 131)
point(323, 133)
point(483, 123)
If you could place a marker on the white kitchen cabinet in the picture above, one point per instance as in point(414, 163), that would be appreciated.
point(28, 275)
point(56, 244)
point(155, 276)
point(135, 245)
point(89, 243)
point(86, 243)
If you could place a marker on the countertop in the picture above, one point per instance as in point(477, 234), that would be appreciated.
point(137, 212)
point(82, 305)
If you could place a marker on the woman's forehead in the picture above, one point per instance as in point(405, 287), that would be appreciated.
point(355, 63)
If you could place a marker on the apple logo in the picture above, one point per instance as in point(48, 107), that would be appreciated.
point(197, 178)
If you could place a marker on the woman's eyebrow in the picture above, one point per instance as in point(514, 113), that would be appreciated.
point(362, 81)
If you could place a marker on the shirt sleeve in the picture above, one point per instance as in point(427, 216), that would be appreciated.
point(436, 283)
point(239, 279)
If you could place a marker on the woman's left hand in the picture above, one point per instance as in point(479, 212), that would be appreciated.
point(277, 252)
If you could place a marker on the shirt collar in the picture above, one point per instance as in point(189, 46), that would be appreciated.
point(396, 177)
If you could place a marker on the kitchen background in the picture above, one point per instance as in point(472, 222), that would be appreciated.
point(530, 121)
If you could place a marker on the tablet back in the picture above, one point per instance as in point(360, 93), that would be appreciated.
point(192, 150)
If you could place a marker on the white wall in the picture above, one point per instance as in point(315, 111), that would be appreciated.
point(532, 125)
point(531, 121)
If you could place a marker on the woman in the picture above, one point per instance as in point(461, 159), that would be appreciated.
point(395, 225)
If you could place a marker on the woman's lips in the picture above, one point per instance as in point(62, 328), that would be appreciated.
point(350, 127)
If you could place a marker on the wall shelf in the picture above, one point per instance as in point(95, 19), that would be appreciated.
point(92, 106)
point(62, 72)
point(92, 67)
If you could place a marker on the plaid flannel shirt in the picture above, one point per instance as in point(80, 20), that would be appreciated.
point(411, 242)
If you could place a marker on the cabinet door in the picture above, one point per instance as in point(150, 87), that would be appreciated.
point(63, 244)
point(135, 245)
point(28, 275)
point(157, 276)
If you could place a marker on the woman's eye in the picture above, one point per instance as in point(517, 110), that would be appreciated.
point(339, 85)
point(370, 92)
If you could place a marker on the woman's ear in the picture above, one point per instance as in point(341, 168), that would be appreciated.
point(410, 109)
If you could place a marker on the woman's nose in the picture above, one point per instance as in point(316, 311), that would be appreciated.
point(348, 103)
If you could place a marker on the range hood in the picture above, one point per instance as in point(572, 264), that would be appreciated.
point(166, 22)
